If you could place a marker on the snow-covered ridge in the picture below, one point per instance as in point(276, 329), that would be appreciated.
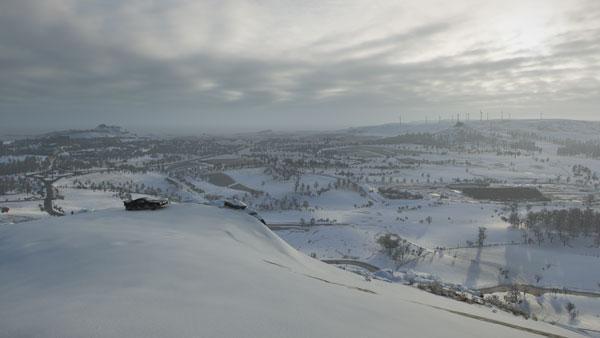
point(200, 271)
point(557, 129)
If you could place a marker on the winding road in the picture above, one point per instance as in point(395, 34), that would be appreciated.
point(366, 266)
point(537, 290)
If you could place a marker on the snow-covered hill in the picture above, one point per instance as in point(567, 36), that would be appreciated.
point(199, 271)
point(553, 129)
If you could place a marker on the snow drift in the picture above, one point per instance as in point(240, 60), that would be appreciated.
point(199, 271)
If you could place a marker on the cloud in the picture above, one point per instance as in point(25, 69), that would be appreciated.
point(278, 62)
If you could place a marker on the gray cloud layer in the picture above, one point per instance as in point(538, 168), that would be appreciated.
point(296, 64)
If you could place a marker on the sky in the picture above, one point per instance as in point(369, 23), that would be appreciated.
point(311, 64)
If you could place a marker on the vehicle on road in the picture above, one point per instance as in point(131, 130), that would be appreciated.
point(255, 214)
point(238, 205)
point(145, 204)
point(234, 204)
point(230, 203)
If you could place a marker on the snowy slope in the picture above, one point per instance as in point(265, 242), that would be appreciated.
point(199, 271)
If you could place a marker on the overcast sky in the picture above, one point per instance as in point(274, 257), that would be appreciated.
point(294, 64)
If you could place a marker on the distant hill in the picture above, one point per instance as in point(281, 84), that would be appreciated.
point(100, 131)
point(554, 129)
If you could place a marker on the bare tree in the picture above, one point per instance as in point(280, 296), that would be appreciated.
point(481, 236)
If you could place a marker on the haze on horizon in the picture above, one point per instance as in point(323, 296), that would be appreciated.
point(293, 64)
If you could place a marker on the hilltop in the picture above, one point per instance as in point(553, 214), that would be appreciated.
point(100, 131)
point(193, 270)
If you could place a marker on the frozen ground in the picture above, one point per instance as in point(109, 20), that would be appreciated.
point(21, 211)
point(190, 271)
point(120, 178)
point(553, 309)
point(557, 267)
point(16, 158)
point(444, 218)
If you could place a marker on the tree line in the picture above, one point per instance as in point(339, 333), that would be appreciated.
point(560, 224)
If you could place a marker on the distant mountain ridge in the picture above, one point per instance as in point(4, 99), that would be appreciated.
point(100, 131)
point(558, 129)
